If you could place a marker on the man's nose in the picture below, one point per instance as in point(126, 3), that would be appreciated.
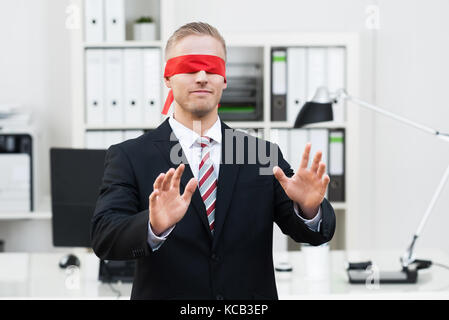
point(201, 77)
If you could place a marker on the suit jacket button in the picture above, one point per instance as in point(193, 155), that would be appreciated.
point(215, 257)
point(219, 297)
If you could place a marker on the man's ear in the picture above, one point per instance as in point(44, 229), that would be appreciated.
point(167, 82)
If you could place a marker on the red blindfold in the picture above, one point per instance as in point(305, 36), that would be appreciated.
point(192, 63)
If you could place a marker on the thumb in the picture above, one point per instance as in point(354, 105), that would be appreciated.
point(280, 175)
point(153, 198)
point(189, 190)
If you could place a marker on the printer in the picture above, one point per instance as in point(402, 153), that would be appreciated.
point(16, 172)
point(16, 161)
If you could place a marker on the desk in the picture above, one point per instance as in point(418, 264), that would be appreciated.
point(433, 283)
point(38, 276)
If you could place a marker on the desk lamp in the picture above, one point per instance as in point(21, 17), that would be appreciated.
point(320, 109)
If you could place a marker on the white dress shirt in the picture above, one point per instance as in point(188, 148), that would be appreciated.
point(192, 150)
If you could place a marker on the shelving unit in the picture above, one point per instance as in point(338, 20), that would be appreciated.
point(35, 215)
point(125, 44)
point(42, 212)
point(346, 211)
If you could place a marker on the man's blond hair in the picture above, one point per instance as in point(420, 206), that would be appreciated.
point(194, 28)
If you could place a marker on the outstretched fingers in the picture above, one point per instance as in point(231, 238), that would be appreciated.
point(158, 182)
point(167, 179)
point(177, 176)
point(316, 162)
point(305, 156)
point(321, 170)
point(280, 175)
point(189, 190)
point(153, 198)
point(326, 181)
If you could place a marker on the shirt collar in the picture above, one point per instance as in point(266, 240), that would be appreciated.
point(189, 137)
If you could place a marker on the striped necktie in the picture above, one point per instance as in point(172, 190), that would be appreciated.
point(207, 181)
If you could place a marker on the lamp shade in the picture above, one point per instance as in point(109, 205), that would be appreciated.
point(313, 112)
point(317, 110)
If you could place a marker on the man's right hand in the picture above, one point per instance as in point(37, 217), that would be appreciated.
point(167, 206)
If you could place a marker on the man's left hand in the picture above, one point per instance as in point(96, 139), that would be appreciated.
point(306, 187)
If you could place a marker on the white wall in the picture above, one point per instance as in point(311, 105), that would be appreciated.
point(412, 81)
point(279, 15)
point(34, 69)
point(403, 68)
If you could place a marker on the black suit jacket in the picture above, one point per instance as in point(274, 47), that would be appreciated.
point(236, 262)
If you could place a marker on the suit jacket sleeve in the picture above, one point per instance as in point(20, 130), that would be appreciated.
point(287, 220)
point(119, 228)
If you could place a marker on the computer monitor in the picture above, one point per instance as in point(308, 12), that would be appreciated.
point(76, 176)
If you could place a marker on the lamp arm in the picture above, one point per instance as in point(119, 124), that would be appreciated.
point(407, 258)
point(341, 94)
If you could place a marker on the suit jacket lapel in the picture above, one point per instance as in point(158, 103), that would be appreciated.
point(162, 141)
point(225, 188)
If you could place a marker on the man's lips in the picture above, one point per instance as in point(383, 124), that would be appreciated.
point(201, 92)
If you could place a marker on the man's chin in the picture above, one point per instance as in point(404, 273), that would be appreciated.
point(201, 111)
